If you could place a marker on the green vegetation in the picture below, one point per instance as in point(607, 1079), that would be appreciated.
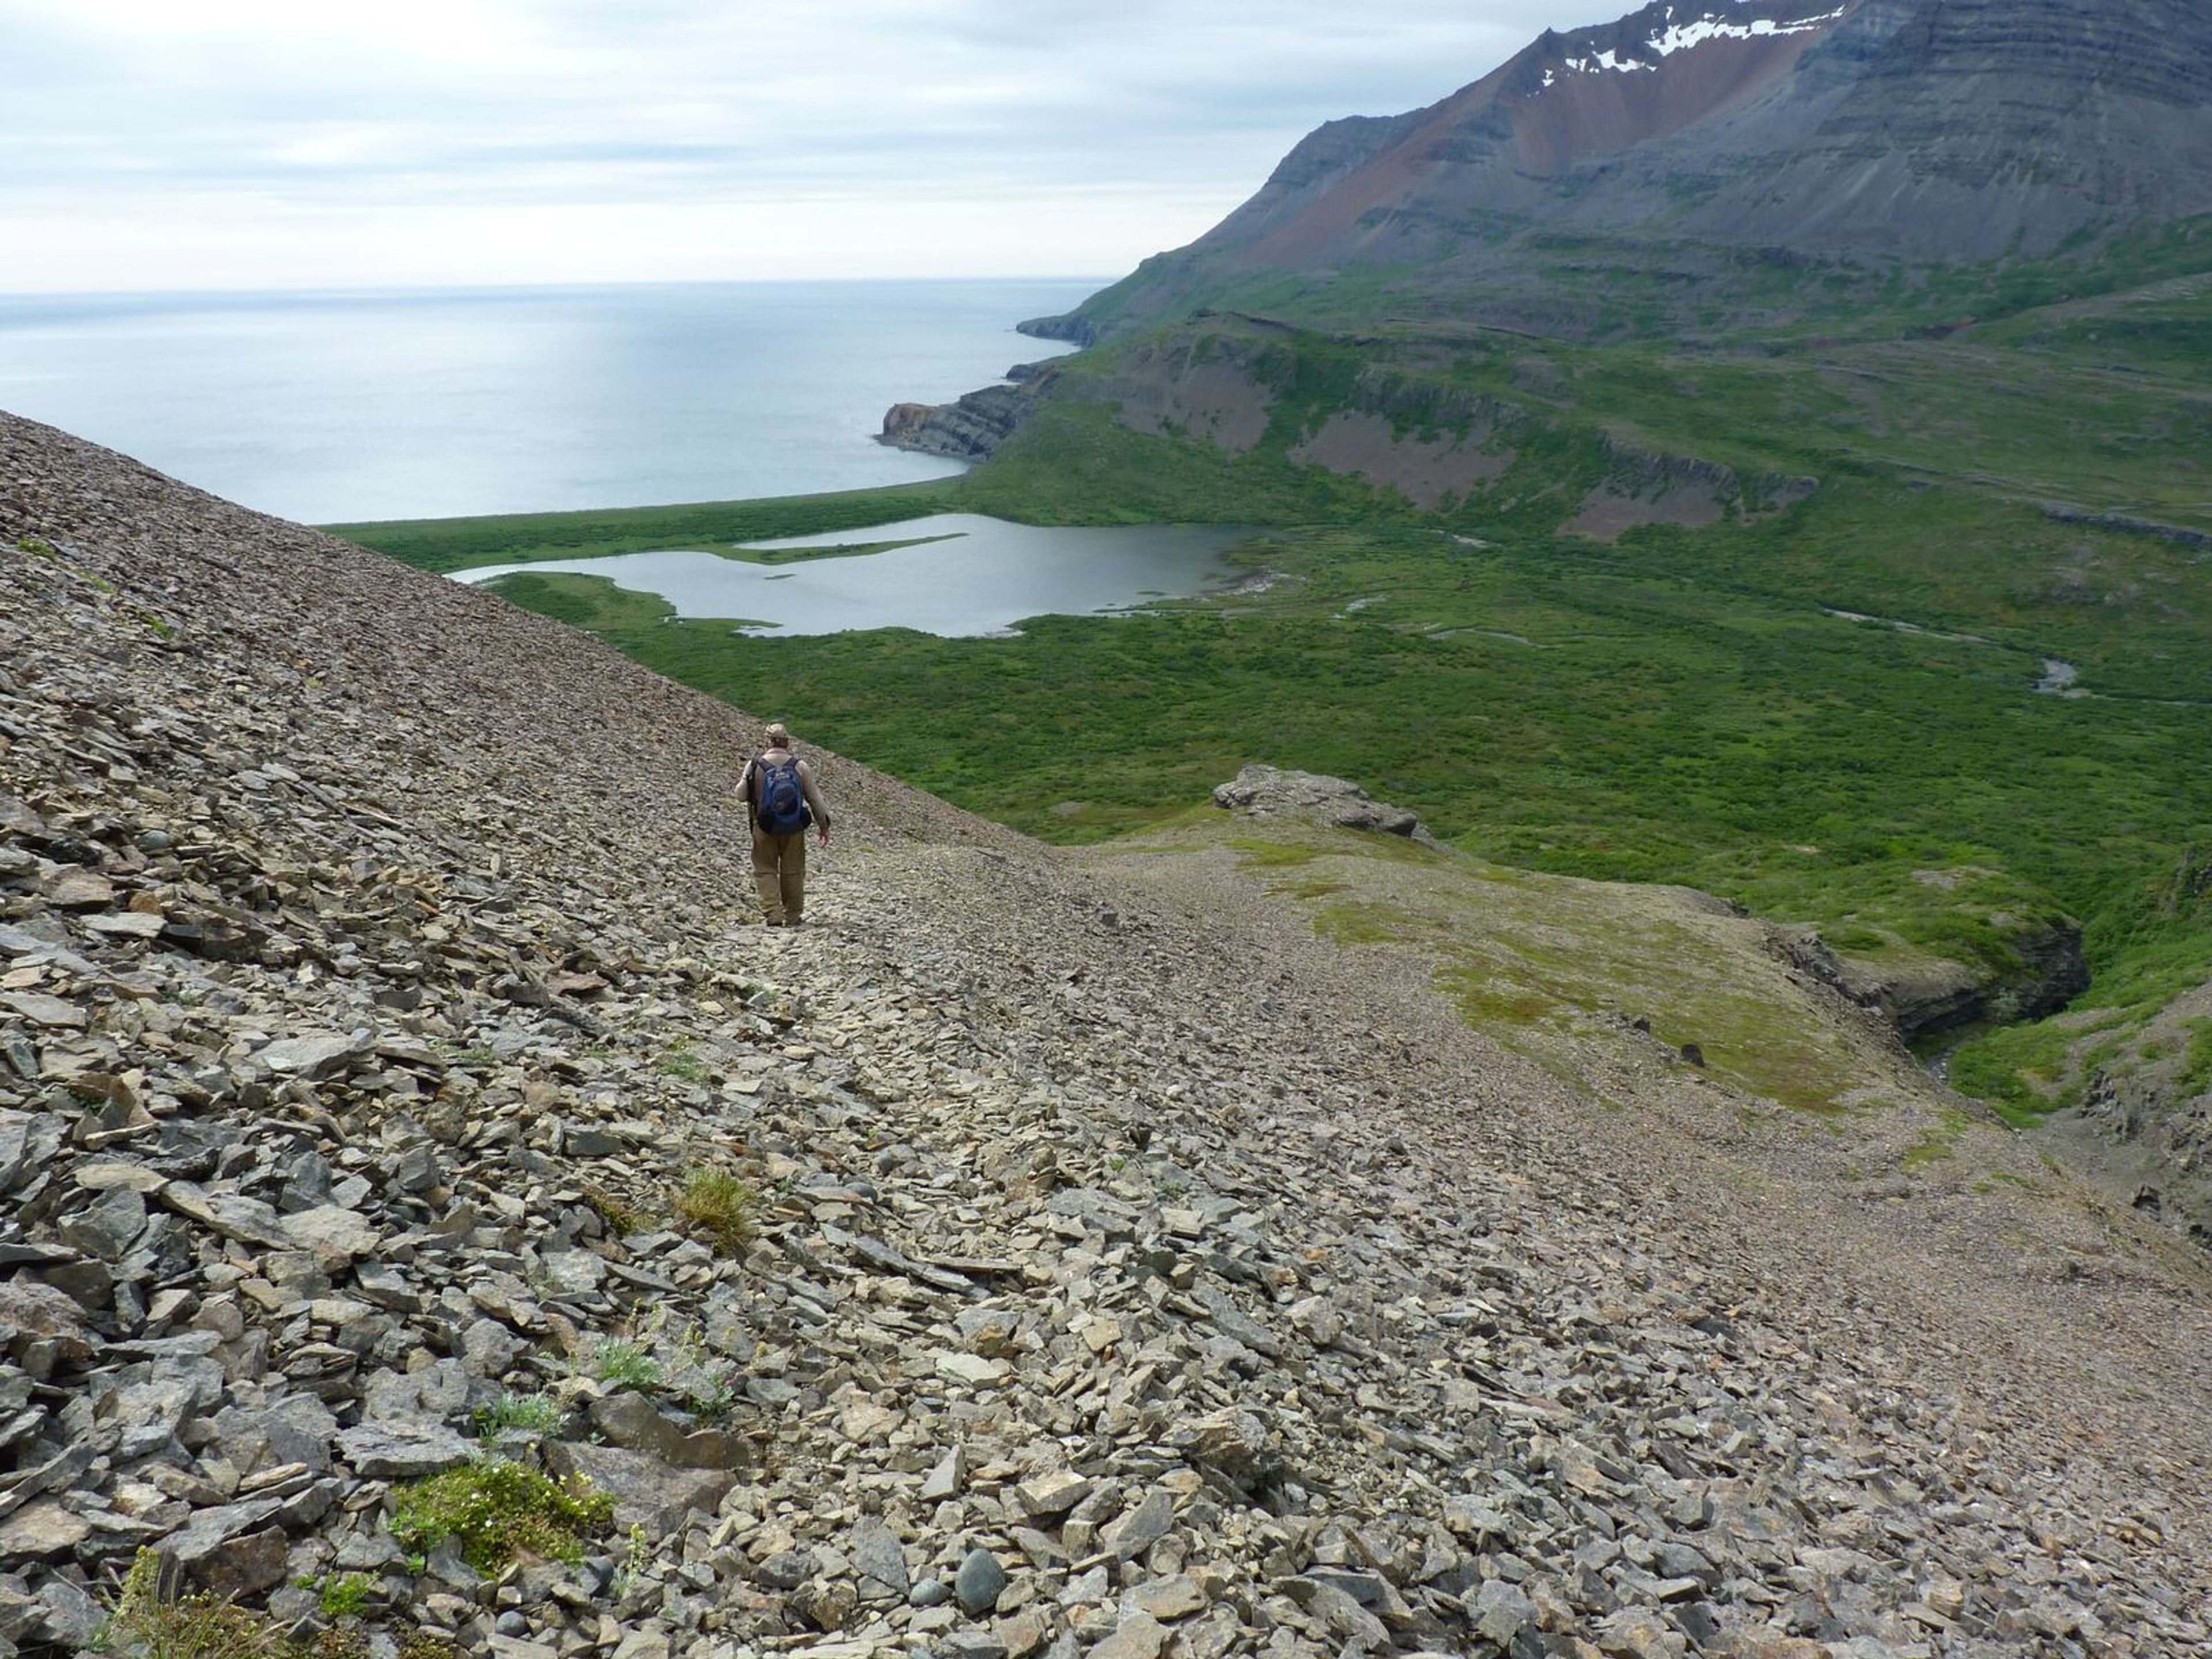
point(616, 1213)
point(2196, 1070)
point(684, 1364)
point(680, 1063)
point(1593, 713)
point(344, 1594)
point(623, 1364)
point(150, 1620)
point(528, 1413)
point(1938, 1143)
point(1588, 285)
point(524, 538)
point(592, 603)
point(718, 1205)
point(1826, 710)
point(1544, 962)
point(498, 1512)
point(637, 1555)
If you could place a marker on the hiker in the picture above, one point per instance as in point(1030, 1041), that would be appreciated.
point(778, 790)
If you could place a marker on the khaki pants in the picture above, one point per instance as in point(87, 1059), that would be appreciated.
point(780, 872)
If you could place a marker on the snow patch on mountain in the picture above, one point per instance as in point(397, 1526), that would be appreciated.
point(1681, 36)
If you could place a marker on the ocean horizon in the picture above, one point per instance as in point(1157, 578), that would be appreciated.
point(335, 407)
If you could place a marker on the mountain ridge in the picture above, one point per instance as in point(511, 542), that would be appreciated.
point(1855, 132)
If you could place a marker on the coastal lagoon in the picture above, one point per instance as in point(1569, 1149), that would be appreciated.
point(959, 575)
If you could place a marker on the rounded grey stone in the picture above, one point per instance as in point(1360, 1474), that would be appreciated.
point(978, 1582)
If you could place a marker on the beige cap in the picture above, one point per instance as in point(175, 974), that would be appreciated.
point(777, 735)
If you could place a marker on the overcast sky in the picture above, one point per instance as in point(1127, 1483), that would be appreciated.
point(153, 144)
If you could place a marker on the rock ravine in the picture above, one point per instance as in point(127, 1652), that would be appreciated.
point(1129, 1272)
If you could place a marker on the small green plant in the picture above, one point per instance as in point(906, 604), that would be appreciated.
point(707, 1383)
point(682, 1064)
point(534, 1414)
point(718, 1205)
point(37, 546)
point(637, 1554)
point(1937, 1142)
point(499, 1511)
point(344, 1594)
point(625, 1364)
point(617, 1215)
point(712, 1394)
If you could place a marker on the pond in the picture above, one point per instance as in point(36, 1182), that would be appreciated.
point(960, 573)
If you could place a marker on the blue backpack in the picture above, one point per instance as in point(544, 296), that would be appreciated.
point(779, 798)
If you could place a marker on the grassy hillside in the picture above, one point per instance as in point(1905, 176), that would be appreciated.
point(1838, 711)
point(1586, 286)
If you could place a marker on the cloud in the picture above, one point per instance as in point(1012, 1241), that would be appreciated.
point(331, 143)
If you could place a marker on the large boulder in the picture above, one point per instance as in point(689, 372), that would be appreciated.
point(1270, 791)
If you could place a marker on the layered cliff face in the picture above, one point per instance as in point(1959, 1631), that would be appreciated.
point(1921, 130)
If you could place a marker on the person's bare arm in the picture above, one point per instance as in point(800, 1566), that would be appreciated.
point(814, 804)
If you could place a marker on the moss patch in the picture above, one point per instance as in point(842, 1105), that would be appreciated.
point(499, 1511)
point(1938, 1143)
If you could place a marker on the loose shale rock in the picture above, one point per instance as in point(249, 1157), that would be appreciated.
point(1128, 1271)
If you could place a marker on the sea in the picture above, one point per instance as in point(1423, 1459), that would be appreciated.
point(333, 408)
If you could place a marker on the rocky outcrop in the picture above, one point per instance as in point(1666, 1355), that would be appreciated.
point(2145, 1125)
point(971, 429)
point(1069, 327)
point(1126, 1273)
point(2125, 524)
point(1263, 792)
point(1925, 997)
point(2143, 1120)
point(1642, 487)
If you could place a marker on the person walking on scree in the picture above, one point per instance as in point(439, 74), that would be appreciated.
point(778, 792)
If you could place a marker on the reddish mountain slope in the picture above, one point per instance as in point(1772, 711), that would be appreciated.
point(1925, 129)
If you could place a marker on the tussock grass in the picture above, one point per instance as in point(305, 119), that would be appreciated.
point(151, 1621)
point(718, 1205)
